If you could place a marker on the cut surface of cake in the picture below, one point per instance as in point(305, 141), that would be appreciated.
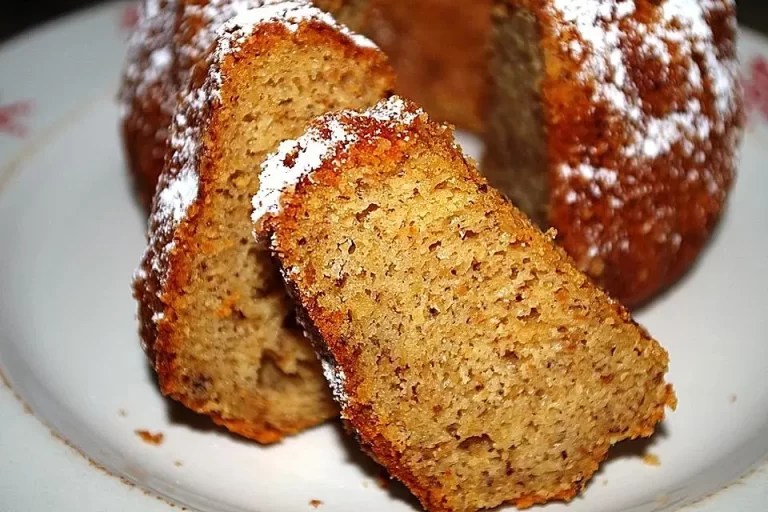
point(214, 315)
point(617, 122)
point(172, 36)
point(470, 356)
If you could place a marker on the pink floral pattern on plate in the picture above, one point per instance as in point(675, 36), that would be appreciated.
point(12, 116)
point(129, 18)
point(755, 83)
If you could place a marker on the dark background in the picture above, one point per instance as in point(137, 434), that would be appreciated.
point(18, 15)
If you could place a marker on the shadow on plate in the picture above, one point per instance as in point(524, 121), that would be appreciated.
point(373, 470)
point(690, 270)
point(635, 448)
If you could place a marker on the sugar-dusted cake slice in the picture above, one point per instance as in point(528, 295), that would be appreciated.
point(470, 356)
point(215, 317)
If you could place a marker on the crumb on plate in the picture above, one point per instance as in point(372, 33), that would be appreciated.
point(150, 438)
point(651, 460)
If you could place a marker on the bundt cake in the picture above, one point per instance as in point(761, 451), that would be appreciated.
point(617, 123)
point(470, 356)
point(214, 314)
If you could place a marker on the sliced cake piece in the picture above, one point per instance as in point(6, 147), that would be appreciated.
point(214, 314)
point(474, 361)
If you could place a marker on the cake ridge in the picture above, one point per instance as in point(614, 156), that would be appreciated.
point(288, 12)
point(609, 36)
point(154, 30)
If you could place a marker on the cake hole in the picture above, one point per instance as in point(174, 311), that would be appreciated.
point(511, 355)
point(477, 443)
point(532, 315)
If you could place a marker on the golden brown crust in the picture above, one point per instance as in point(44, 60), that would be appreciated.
point(636, 220)
point(183, 209)
point(367, 142)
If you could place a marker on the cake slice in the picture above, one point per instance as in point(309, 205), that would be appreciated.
point(467, 352)
point(214, 314)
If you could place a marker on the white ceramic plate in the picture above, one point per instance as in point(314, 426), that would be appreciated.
point(71, 234)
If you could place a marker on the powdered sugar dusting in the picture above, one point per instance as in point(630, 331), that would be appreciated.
point(290, 14)
point(176, 197)
point(604, 37)
point(336, 378)
point(683, 25)
point(325, 138)
point(147, 73)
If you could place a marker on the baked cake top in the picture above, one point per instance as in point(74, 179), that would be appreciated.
point(609, 38)
point(644, 120)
